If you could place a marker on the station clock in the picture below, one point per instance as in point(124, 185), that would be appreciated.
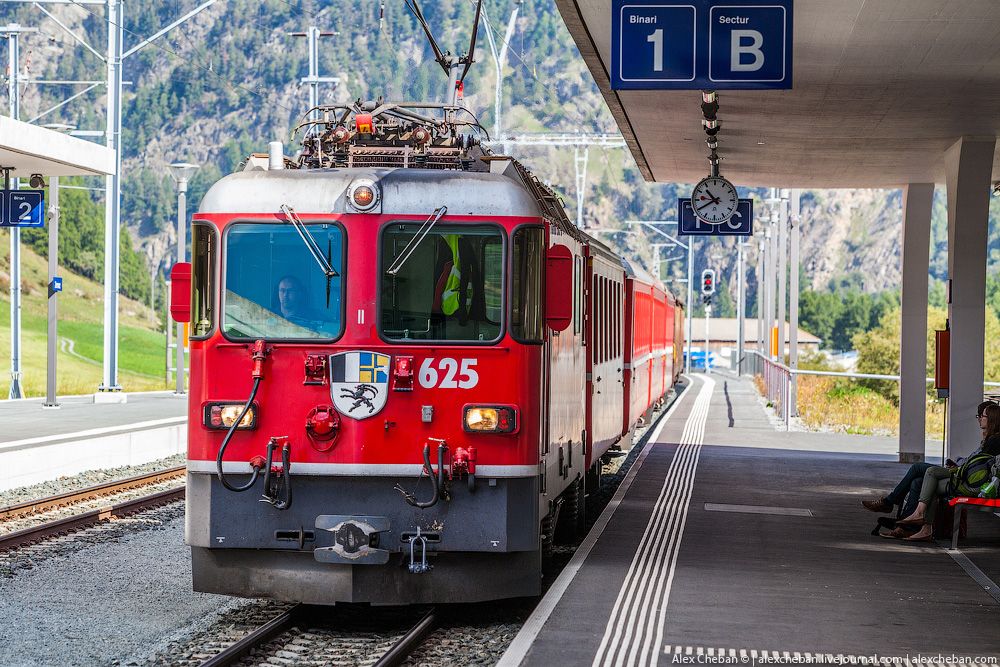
point(714, 200)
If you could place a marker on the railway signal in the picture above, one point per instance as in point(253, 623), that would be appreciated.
point(708, 282)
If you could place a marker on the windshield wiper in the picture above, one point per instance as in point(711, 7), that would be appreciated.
point(425, 228)
point(313, 247)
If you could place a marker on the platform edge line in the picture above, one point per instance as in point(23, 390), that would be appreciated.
point(134, 427)
point(522, 642)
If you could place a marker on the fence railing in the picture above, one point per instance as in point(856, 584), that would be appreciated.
point(778, 386)
point(777, 381)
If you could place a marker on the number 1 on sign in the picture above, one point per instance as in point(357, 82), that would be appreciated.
point(657, 40)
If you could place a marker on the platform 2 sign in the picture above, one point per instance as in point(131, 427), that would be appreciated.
point(701, 45)
point(741, 224)
point(22, 208)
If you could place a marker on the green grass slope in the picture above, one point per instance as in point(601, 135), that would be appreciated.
point(81, 350)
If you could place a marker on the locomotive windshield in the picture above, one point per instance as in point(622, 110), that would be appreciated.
point(449, 288)
point(273, 288)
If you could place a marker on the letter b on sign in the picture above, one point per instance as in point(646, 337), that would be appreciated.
point(748, 45)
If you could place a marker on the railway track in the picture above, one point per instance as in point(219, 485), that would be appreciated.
point(72, 497)
point(395, 656)
point(46, 530)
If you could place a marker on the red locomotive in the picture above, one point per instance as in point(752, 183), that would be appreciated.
point(406, 364)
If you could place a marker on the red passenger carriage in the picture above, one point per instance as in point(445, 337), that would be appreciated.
point(405, 360)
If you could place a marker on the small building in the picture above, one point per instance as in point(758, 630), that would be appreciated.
point(722, 335)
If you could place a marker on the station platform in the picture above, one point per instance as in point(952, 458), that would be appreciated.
point(731, 542)
point(39, 444)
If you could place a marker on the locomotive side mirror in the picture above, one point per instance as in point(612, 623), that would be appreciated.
point(558, 287)
point(180, 292)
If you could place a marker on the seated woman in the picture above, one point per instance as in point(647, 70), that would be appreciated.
point(938, 480)
point(908, 489)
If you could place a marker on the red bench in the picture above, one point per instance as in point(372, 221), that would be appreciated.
point(985, 504)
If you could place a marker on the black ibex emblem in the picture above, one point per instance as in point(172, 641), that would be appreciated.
point(362, 395)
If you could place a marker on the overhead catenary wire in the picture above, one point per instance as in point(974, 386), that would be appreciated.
point(178, 56)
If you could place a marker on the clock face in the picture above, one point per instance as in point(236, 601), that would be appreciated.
point(714, 200)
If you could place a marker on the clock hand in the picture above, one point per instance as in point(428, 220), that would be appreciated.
point(698, 208)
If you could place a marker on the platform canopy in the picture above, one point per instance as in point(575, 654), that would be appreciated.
point(881, 89)
point(30, 149)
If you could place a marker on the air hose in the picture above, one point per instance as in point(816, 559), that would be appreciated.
point(437, 478)
point(225, 442)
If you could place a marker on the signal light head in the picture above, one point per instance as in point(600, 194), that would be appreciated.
point(708, 282)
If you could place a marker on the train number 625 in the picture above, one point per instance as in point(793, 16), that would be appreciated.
point(447, 374)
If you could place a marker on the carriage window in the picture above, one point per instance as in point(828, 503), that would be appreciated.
point(274, 287)
point(577, 300)
point(202, 280)
point(596, 322)
point(448, 286)
point(528, 265)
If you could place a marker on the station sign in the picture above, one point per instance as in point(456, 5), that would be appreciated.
point(741, 224)
point(22, 208)
point(701, 45)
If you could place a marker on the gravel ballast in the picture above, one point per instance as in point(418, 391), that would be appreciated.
point(85, 479)
point(97, 600)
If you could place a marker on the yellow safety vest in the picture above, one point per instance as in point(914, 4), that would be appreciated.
point(450, 297)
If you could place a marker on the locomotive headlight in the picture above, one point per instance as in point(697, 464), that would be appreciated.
point(363, 195)
point(224, 415)
point(490, 419)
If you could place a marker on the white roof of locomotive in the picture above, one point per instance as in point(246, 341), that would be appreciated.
point(403, 191)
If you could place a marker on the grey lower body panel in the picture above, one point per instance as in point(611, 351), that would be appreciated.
point(298, 577)
point(482, 544)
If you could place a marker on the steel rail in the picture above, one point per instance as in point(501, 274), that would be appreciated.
point(89, 493)
point(76, 522)
point(394, 657)
point(263, 634)
point(399, 651)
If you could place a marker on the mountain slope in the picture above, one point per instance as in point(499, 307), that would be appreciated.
point(227, 82)
point(143, 345)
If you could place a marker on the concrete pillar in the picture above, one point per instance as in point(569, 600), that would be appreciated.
point(918, 199)
point(968, 167)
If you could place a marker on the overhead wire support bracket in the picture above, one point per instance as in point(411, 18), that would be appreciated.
point(72, 34)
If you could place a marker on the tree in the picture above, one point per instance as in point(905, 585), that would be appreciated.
point(878, 349)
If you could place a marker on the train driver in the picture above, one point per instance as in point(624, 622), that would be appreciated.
point(293, 304)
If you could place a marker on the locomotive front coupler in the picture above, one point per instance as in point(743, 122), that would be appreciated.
point(438, 479)
point(278, 481)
